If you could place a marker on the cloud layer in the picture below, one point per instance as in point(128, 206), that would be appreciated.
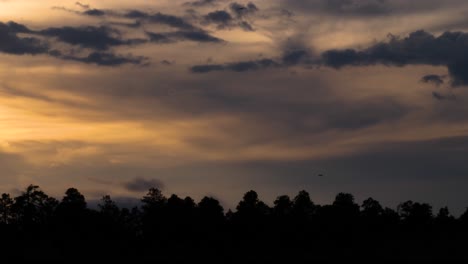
point(219, 97)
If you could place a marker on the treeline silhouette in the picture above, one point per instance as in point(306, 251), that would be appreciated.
point(35, 226)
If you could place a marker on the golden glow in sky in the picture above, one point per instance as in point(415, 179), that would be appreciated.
point(201, 95)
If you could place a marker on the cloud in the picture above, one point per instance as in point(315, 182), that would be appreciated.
point(343, 7)
point(171, 37)
point(15, 27)
point(224, 20)
point(89, 37)
point(107, 59)
point(235, 66)
point(246, 26)
point(140, 16)
point(94, 12)
point(450, 49)
point(202, 3)
point(241, 10)
point(99, 38)
point(361, 7)
point(290, 58)
point(437, 80)
point(199, 36)
point(37, 95)
point(84, 6)
point(88, 11)
point(11, 43)
point(160, 18)
point(367, 8)
point(141, 184)
point(220, 17)
point(364, 114)
point(441, 97)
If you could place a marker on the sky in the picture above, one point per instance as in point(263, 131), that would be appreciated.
point(218, 97)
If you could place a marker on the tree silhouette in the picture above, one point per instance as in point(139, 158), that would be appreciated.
point(251, 208)
point(210, 210)
point(154, 218)
point(444, 216)
point(108, 207)
point(35, 225)
point(6, 209)
point(303, 207)
point(153, 200)
point(180, 215)
point(33, 207)
point(73, 200)
point(283, 206)
point(415, 213)
point(371, 208)
point(345, 208)
point(345, 200)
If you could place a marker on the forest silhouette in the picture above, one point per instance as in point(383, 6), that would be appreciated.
point(35, 226)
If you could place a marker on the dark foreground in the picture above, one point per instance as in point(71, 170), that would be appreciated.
point(34, 226)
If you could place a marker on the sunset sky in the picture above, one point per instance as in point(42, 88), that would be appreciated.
point(216, 97)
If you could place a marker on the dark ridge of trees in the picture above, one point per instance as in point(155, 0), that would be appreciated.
point(35, 226)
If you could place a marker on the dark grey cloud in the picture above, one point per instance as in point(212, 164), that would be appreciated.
point(202, 3)
point(9, 91)
point(160, 18)
point(246, 26)
point(87, 12)
point(290, 58)
point(269, 118)
point(11, 43)
point(99, 38)
point(107, 59)
point(441, 97)
point(344, 7)
point(94, 12)
point(15, 27)
point(235, 66)
point(136, 14)
point(171, 20)
point(204, 68)
point(367, 8)
point(224, 20)
point(435, 79)
point(363, 114)
point(419, 48)
point(241, 10)
point(199, 36)
point(142, 185)
point(220, 18)
point(423, 159)
point(362, 7)
point(171, 37)
point(84, 6)
point(160, 38)
point(132, 25)
point(139, 16)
